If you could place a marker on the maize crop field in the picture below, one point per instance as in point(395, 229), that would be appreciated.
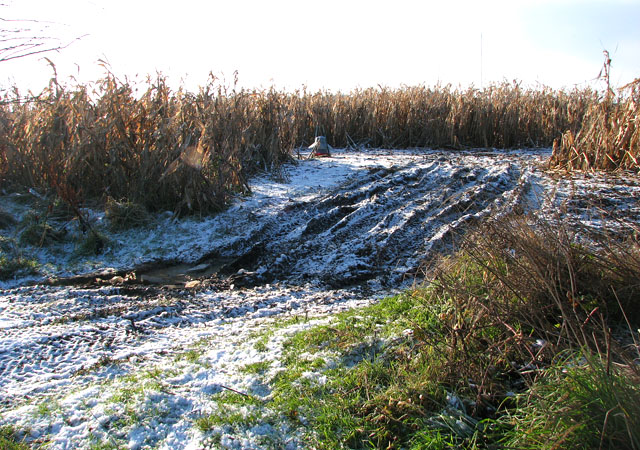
point(192, 152)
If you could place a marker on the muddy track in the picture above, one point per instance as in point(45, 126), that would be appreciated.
point(379, 226)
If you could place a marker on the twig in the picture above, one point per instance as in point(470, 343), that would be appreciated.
point(133, 325)
point(237, 392)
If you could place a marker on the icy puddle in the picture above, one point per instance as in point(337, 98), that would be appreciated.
point(117, 361)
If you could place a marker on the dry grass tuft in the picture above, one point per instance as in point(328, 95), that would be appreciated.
point(540, 275)
point(123, 215)
point(521, 291)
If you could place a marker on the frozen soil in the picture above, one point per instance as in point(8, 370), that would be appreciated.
point(133, 348)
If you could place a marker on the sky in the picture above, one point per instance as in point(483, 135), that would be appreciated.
point(337, 45)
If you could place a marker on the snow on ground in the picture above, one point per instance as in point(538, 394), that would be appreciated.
point(139, 366)
point(190, 238)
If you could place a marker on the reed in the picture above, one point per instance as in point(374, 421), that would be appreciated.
point(191, 152)
point(609, 138)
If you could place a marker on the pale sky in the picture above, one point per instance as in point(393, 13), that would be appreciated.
point(334, 44)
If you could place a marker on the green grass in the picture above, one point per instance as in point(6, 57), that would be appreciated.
point(231, 413)
point(386, 376)
point(11, 267)
point(9, 441)
point(206, 423)
point(8, 245)
point(47, 408)
point(192, 356)
point(128, 418)
point(106, 445)
point(12, 262)
point(261, 343)
point(233, 398)
point(134, 385)
point(351, 327)
point(261, 339)
point(126, 394)
point(39, 234)
point(291, 320)
point(94, 243)
point(129, 404)
point(580, 404)
point(377, 392)
point(256, 368)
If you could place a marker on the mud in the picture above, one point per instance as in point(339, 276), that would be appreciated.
point(379, 226)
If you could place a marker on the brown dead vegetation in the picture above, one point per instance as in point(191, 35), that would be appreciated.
point(190, 152)
point(609, 138)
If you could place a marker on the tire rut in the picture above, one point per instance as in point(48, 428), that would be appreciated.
point(380, 226)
